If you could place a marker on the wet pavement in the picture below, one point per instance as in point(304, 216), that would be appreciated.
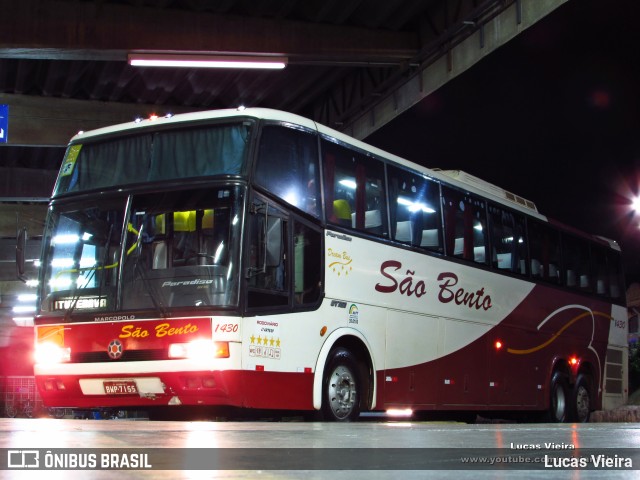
point(369, 449)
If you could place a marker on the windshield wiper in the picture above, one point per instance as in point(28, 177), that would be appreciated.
point(76, 297)
point(156, 298)
point(94, 269)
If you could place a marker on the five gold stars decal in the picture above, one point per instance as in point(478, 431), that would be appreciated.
point(266, 341)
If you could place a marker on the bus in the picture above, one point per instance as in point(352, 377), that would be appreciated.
point(253, 258)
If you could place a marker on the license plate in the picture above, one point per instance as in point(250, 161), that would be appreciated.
point(120, 388)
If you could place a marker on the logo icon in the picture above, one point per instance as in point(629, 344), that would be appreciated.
point(115, 349)
point(23, 459)
point(353, 313)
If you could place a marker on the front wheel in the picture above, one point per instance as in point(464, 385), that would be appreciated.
point(342, 387)
point(581, 399)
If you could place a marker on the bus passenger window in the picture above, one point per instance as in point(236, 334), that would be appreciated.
point(508, 248)
point(607, 273)
point(577, 264)
point(464, 226)
point(288, 167)
point(616, 290)
point(307, 264)
point(354, 190)
point(544, 245)
point(415, 209)
point(267, 273)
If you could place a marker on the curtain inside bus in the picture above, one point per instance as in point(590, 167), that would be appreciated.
point(158, 156)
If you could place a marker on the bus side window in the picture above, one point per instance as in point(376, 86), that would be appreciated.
point(577, 263)
point(607, 273)
point(267, 273)
point(288, 167)
point(544, 243)
point(415, 209)
point(465, 226)
point(616, 290)
point(354, 189)
point(508, 247)
point(307, 264)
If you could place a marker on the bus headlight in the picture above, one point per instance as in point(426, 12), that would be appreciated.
point(49, 352)
point(200, 350)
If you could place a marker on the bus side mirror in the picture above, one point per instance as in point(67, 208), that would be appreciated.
point(21, 247)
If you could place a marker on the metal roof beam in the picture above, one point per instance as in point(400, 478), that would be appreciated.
point(66, 30)
point(459, 46)
point(46, 121)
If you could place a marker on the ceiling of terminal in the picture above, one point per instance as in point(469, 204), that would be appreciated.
point(63, 68)
point(342, 53)
point(63, 63)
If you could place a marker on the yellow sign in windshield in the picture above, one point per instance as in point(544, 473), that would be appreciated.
point(70, 160)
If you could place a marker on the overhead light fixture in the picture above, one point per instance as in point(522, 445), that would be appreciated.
point(205, 61)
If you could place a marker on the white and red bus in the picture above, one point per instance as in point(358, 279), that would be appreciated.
point(254, 258)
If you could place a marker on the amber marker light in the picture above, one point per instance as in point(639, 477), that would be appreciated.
point(323, 330)
point(498, 345)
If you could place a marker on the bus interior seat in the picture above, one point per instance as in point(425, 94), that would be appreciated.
point(372, 219)
point(404, 231)
point(504, 261)
point(479, 254)
point(571, 278)
point(342, 212)
point(536, 268)
point(207, 220)
point(184, 221)
point(584, 281)
point(458, 248)
point(159, 256)
point(430, 238)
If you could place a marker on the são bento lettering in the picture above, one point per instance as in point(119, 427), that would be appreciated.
point(448, 288)
point(161, 330)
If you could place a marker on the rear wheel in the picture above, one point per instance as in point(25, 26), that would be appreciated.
point(342, 387)
point(581, 399)
point(559, 399)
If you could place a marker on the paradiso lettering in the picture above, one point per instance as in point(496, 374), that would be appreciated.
point(161, 330)
point(449, 292)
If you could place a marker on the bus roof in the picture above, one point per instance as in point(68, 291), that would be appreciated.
point(454, 177)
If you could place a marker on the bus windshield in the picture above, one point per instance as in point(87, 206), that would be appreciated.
point(172, 249)
point(155, 156)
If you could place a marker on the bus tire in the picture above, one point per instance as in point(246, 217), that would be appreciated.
point(341, 387)
point(581, 399)
point(558, 398)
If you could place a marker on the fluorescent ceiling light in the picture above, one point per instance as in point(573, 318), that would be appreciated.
point(205, 61)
